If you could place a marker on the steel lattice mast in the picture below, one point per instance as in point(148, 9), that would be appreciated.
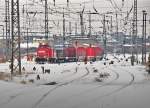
point(7, 22)
point(144, 38)
point(46, 20)
point(15, 37)
point(134, 32)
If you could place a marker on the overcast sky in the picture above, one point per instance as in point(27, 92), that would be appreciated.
point(101, 6)
point(142, 4)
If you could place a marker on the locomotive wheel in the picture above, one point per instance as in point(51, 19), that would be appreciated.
point(41, 60)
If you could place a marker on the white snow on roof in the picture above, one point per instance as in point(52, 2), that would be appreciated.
point(31, 45)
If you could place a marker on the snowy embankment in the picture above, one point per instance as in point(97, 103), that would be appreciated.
point(124, 86)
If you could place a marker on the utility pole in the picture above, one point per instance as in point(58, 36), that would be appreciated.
point(25, 27)
point(27, 44)
point(64, 32)
point(3, 40)
point(46, 20)
point(68, 3)
point(7, 22)
point(111, 25)
point(76, 27)
point(81, 23)
point(124, 42)
point(28, 24)
point(117, 26)
point(145, 38)
point(89, 24)
point(15, 37)
point(70, 28)
point(104, 35)
point(4, 51)
point(111, 32)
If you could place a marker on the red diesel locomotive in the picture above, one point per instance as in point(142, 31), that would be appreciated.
point(47, 54)
point(44, 53)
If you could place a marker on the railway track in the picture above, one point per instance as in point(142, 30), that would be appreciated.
point(96, 99)
point(67, 82)
point(58, 86)
point(34, 86)
point(97, 87)
point(90, 89)
point(23, 90)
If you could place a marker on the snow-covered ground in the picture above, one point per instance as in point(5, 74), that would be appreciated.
point(77, 86)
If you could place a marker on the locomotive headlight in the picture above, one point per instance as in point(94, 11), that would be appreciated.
point(41, 51)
